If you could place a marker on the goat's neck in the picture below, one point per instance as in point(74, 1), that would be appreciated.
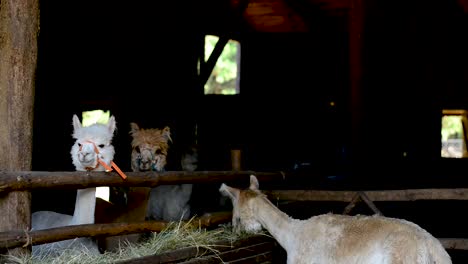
point(278, 223)
point(85, 206)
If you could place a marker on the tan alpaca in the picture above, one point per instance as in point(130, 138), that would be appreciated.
point(149, 152)
point(335, 239)
point(84, 157)
point(166, 202)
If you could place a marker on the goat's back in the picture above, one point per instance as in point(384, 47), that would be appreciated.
point(343, 239)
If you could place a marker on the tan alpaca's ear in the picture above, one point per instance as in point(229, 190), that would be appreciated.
point(76, 123)
point(111, 125)
point(167, 133)
point(134, 128)
point(230, 192)
point(253, 183)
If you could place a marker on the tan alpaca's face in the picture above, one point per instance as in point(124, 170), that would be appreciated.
point(243, 211)
point(149, 148)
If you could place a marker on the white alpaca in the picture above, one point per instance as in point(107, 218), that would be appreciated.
point(92, 143)
point(335, 239)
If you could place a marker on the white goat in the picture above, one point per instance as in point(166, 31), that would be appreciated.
point(335, 239)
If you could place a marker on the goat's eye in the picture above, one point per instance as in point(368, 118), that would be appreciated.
point(158, 152)
point(137, 149)
point(101, 145)
point(79, 145)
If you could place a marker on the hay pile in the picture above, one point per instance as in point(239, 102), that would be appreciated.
point(176, 236)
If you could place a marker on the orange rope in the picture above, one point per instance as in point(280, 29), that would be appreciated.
point(124, 177)
point(108, 169)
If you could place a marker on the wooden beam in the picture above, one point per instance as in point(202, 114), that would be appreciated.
point(19, 27)
point(31, 180)
point(179, 255)
point(375, 196)
point(13, 239)
point(208, 66)
point(352, 204)
point(369, 203)
point(356, 28)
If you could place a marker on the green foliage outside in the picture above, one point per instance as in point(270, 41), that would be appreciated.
point(452, 127)
point(95, 116)
point(223, 77)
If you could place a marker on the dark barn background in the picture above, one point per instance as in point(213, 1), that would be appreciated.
point(389, 67)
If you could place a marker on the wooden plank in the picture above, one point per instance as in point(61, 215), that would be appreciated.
point(179, 255)
point(30, 180)
point(375, 196)
point(19, 28)
point(454, 243)
point(352, 204)
point(356, 105)
point(369, 203)
point(13, 239)
point(235, 254)
point(265, 257)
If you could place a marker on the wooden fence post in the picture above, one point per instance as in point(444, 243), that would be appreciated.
point(19, 28)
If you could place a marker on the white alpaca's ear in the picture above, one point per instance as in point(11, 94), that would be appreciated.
point(230, 192)
point(167, 133)
point(111, 125)
point(253, 183)
point(76, 123)
point(134, 128)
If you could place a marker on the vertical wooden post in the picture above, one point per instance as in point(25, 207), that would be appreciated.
point(236, 159)
point(19, 28)
point(356, 26)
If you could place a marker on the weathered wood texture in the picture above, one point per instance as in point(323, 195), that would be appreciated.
point(226, 251)
point(13, 239)
point(29, 180)
point(19, 28)
point(375, 196)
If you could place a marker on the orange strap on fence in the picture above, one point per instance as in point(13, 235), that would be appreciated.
point(120, 172)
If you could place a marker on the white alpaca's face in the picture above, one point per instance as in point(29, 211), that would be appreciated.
point(243, 213)
point(92, 142)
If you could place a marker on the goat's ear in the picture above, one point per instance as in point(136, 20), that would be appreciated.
point(166, 132)
point(253, 183)
point(111, 125)
point(230, 192)
point(134, 128)
point(76, 123)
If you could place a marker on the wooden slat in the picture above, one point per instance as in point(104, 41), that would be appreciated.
point(234, 255)
point(30, 180)
point(454, 243)
point(19, 238)
point(180, 255)
point(375, 196)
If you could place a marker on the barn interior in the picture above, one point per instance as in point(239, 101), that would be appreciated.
point(350, 93)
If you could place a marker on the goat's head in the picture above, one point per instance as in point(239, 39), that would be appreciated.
point(243, 211)
point(92, 142)
point(149, 148)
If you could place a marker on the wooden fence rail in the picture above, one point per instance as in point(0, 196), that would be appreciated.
point(14, 239)
point(31, 180)
point(375, 196)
